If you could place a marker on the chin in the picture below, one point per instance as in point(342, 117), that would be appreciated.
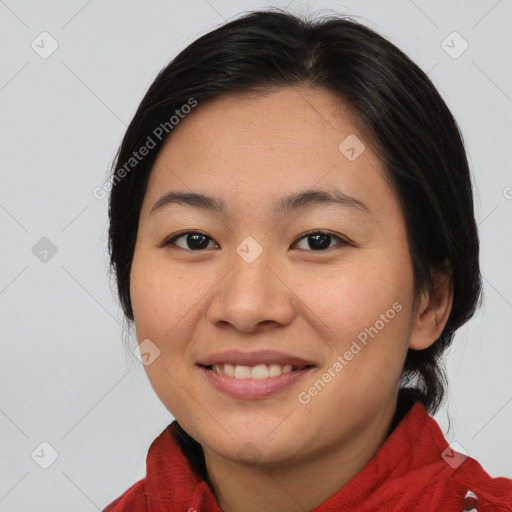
point(263, 444)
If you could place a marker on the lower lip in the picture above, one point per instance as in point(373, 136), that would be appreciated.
point(253, 389)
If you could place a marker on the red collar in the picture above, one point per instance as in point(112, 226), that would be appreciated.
point(407, 473)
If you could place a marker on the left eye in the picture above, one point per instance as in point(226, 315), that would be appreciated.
point(195, 241)
point(319, 240)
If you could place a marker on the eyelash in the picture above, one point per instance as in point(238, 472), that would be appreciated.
point(342, 242)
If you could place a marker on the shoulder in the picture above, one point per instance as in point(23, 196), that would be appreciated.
point(444, 489)
point(481, 492)
point(428, 473)
point(169, 480)
point(134, 499)
point(450, 478)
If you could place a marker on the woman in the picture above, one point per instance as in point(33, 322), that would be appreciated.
point(292, 234)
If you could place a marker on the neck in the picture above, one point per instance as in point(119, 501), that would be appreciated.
point(301, 485)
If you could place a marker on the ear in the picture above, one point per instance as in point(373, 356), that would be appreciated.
point(433, 310)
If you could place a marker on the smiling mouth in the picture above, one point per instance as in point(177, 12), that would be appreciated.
point(256, 372)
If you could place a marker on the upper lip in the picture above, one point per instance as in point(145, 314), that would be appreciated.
point(237, 357)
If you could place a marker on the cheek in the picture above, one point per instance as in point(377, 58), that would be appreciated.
point(367, 311)
point(159, 296)
point(161, 313)
point(353, 298)
point(147, 302)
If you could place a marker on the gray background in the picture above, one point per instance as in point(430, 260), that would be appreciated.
point(65, 378)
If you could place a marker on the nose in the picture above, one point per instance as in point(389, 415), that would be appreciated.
point(253, 296)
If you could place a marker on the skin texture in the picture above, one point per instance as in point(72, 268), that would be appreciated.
point(250, 151)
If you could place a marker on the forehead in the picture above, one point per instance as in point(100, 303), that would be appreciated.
point(298, 120)
point(256, 148)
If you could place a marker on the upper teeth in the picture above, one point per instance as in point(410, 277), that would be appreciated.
point(260, 371)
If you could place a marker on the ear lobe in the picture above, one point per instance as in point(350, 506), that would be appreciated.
point(433, 311)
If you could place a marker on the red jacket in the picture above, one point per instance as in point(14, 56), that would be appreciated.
point(414, 470)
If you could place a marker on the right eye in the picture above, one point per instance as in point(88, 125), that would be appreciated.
point(193, 241)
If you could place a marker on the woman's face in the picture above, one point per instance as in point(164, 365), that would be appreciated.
point(251, 287)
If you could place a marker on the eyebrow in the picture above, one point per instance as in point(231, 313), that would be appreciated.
point(294, 202)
